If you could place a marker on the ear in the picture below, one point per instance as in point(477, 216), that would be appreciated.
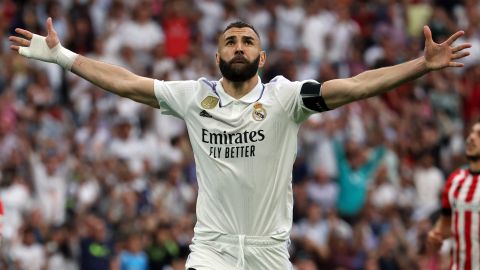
point(263, 59)
point(217, 58)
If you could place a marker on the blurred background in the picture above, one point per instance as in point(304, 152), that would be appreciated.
point(93, 181)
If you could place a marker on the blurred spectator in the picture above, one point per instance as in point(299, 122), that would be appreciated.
point(173, 193)
point(323, 190)
point(406, 196)
point(138, 36)
point(28, 253)
point(318, 133)
point(312, 232)
point(211, 21)
point(141, 34)
point(356, 168)
point(257, 14)
point(470, 92)
point(132, 255)
point(305, 67)
point(16, 198)
point(177, 27)
point(83, 36)
point(163, 249)
point(126, 145)
point(49, 174)
point(418, 14)
point(300, 201)
point(340, 244)
point(116, 16)
point(96, 249)
point(314, 38)
point(59, 250)
point(289, 16)
point(384, 193)
point(346, 32)
point(86, 187)
point(389, 257)
point(55, 10)
point(428, 181)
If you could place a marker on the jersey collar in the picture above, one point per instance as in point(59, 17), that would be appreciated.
point(254, 95)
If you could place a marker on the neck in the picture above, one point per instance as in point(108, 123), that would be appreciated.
point(474, 166)
point(239, 89)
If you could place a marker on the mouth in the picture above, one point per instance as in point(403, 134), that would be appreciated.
point(470, 146)
point(239, 60)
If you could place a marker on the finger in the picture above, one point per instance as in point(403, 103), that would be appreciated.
point(50, 29)
point(15, 47)
point(427, 33)
point(20, 41)
point(454, 37)
point(461, 47)
point(460, 55)
point(455, 64)
point(25, 33)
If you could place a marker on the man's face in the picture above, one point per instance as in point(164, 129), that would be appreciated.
point(472, 145)
point(239, 54)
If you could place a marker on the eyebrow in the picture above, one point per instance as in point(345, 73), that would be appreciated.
point(230, 38)
point(244, 38)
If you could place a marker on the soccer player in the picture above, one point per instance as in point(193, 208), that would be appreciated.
point(243, 134)
point(461, 208)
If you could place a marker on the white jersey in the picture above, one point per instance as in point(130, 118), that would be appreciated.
point(244, 152)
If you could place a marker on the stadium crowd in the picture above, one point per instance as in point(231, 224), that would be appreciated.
point(93, 181)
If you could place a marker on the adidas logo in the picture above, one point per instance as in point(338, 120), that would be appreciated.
point(205, 114)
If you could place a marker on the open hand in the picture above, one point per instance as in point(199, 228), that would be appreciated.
point(438, 56)
point(22, 43)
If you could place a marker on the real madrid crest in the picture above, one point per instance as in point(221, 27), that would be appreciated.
point(209, 102)
point(259, 113)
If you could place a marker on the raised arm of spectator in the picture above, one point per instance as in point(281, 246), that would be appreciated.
point(374, 82)
point(109, 77)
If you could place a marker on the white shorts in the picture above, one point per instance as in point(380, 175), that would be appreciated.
point(239, 252)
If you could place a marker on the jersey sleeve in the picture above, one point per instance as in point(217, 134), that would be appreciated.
point(174, 97)
point(446, 206)
point(290, 98)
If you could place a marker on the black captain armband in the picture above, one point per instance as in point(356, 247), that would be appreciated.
point(312, 98)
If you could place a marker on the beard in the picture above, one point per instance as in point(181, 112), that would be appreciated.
point(235, 72)
point(473, 157)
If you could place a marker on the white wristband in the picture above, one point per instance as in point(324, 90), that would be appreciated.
point(65, 57)
point(39, 49)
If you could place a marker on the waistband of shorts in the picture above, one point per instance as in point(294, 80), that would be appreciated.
point(232, 239)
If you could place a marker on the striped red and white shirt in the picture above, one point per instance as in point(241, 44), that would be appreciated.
point(461, 199)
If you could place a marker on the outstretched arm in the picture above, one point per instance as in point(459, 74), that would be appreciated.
point(374, 82)
point(109, 77)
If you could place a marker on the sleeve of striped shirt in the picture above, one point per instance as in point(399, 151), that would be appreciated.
point(446, 206)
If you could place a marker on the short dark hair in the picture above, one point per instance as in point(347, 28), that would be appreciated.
point(240, 24)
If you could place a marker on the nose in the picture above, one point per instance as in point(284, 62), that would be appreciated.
point(239, 48)
point(469, 137)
